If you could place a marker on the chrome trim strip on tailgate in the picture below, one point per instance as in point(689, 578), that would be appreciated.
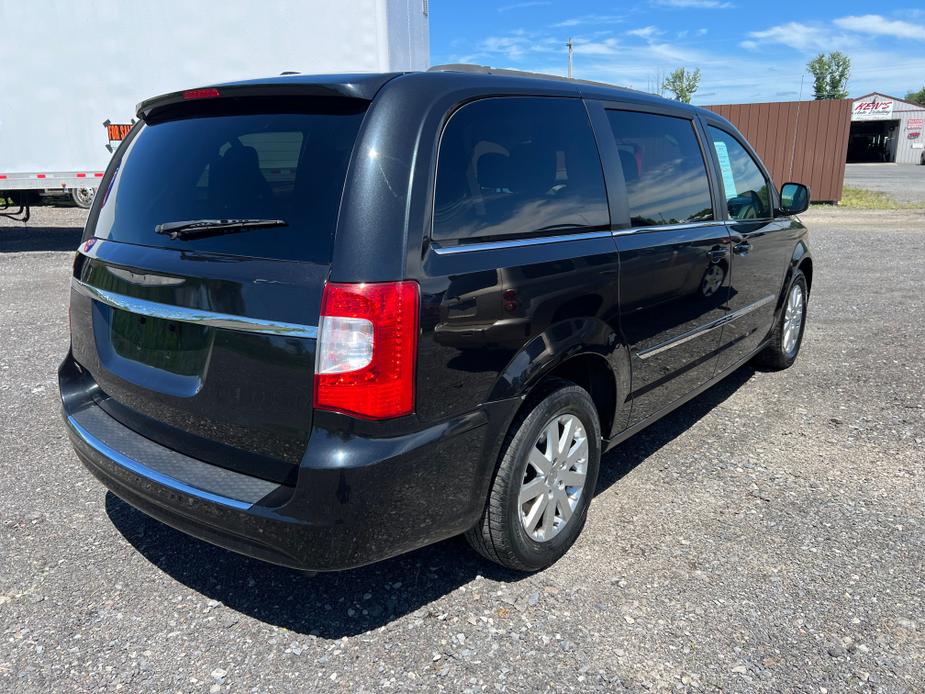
point(146, 472)
point(199, 316)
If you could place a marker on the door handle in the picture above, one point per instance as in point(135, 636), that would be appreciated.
point(742, 248)
point(717, 254)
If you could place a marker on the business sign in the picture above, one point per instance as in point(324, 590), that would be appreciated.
point(914, 131)
point(872, 110)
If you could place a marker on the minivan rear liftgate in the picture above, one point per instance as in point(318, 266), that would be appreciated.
point(197, 291)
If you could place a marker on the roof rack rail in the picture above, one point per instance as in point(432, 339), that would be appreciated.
point(488, 70)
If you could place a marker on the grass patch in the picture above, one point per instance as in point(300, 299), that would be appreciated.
point(861, 199)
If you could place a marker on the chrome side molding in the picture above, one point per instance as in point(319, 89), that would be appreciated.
point(560, 238)
point(667, 227)
point(703, 329)
point(518, 243)
point(199, 316)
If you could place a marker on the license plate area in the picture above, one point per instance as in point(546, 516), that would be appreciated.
point(173, 346)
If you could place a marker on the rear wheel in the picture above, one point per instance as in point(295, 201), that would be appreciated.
point(82, 197)
point(787, 335)
point(544, 483)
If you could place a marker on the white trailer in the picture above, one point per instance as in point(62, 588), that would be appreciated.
point(72, 72)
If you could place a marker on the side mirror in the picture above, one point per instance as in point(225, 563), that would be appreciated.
point(794, 198)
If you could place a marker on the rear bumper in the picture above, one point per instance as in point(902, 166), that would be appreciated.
point(356, 500)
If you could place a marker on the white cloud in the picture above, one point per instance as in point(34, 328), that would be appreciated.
point(696, 4)
point(645, 32)
point(803, 37)
point(512, 47)
point(698, 32)
point(881, 26)
point(671, 55)
point(605, 47)
point(524, 5)
point(589, 19)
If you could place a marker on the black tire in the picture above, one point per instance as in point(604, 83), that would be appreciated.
point(500, 534)
point(82, 197)
point(775, 356)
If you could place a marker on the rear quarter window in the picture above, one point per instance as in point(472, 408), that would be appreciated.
point(288, 166)
point(509, 167)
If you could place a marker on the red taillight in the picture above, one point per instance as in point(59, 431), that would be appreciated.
point(367, 345)
point(206, 93)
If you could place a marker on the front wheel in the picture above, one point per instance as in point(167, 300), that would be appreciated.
point(787, 335)
point(544, 482)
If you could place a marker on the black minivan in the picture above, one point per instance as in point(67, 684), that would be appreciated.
point(325, 320)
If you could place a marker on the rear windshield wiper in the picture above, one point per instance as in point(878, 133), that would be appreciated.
point(200, 228)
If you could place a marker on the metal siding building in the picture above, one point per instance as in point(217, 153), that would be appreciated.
point(802, 141)
point(886, 129)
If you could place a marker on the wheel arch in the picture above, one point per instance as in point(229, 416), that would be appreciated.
point(584, 351)
point(800, 258)
point(806, 267)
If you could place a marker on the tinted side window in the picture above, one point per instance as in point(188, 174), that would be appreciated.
point(745, 187)
point(513, 166)
point(666, 178)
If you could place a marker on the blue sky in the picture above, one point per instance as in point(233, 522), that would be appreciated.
point(747, 51)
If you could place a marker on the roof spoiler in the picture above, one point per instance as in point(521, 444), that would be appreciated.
point(293, 86)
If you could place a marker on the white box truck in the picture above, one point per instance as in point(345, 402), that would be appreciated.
point(72, 72)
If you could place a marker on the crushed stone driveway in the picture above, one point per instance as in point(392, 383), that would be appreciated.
point(768, 536)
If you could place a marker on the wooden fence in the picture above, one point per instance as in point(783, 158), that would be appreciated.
point(803, 141)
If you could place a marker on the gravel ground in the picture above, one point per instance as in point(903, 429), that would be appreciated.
point(768, 536)
point(904, 182)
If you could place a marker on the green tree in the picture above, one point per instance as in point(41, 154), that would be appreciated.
point(830, 75)
point(682, 84)
point(917, 97)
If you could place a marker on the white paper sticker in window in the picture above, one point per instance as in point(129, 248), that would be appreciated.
point(725, 167)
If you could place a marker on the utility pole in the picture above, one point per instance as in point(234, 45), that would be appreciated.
point(569, 44)
point(793, 150)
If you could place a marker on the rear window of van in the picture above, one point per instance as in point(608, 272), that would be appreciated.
point(236, 164)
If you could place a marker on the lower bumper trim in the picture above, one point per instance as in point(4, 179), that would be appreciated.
point(154, 475)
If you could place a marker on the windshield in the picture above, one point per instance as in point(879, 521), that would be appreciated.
point(278, 166)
